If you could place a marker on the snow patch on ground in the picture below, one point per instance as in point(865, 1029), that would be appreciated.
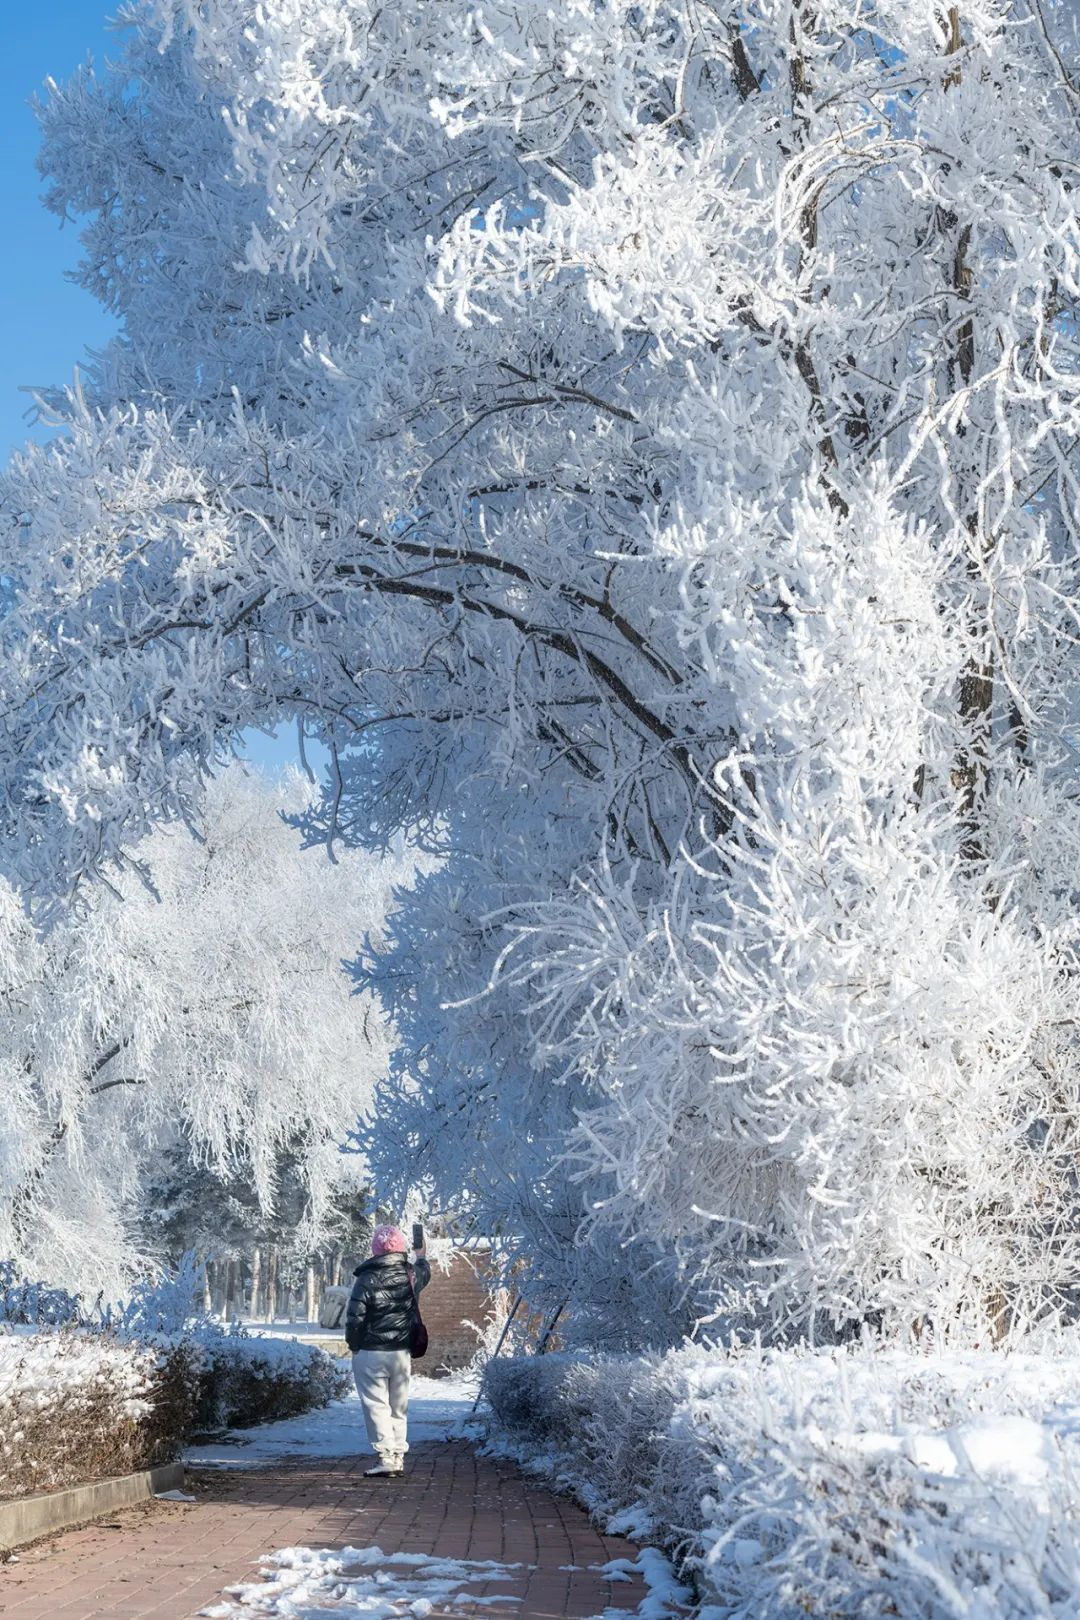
point(665, 1595)
point(294, 1330)
point(438, 1409)
point(364, 1583)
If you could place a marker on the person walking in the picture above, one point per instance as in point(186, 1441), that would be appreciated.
point(379, 1324)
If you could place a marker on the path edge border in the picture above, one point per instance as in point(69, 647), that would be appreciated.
point(29, 1517)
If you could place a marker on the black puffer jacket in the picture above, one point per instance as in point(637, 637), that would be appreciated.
point(380, 1309)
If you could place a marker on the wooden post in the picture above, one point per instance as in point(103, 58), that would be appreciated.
point(550, 1329)
point(502, 1340)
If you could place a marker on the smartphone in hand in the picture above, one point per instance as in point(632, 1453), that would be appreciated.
point(417, 1236)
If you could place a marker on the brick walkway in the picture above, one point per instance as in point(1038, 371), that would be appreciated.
point(168, 1560)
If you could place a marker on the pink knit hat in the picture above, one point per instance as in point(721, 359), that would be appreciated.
point(388, 1240)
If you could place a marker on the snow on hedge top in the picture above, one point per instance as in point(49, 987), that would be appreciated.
point(48, 1367)
point(267, 1356)
point(45, 1369)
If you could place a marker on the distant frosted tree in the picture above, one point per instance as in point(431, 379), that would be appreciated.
point(197, 1007)
point(253, 1249)
point(640, 439)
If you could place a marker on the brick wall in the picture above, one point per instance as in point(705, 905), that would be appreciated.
point(450, 1299)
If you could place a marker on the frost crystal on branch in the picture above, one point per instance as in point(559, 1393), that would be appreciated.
point(640, 439)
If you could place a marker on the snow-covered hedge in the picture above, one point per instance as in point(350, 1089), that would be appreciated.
point(242, 1377)
point(848, 1483)
point(245, 1380)
point(76, 1407)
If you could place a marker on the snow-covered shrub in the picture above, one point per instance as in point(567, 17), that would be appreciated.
point(76, 1407)
point(241, 1378)
point(245, 1380)
point(849, 1483)
point(599, 1425)
point(167, 1303)
point(35, 1303)
point(616, 1409)
point(87, 1402)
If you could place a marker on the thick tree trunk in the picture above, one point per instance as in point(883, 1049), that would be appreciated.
point(971, 771)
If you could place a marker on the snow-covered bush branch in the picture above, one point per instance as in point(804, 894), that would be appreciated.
point(640, 440)
point(34, 1304)
point(855, 1483)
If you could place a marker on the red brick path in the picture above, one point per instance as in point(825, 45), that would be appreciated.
point(169, 1560)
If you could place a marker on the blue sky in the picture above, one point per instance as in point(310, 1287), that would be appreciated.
point(47, 323)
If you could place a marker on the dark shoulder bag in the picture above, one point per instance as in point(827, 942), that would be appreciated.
point(418, 1333)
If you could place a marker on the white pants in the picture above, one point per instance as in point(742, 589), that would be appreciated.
point(382, 1383)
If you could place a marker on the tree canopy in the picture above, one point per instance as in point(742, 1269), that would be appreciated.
point(639, 439)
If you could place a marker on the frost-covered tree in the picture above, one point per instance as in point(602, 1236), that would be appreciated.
point(196, 1009)
point(258, 1255)
point(640, 440)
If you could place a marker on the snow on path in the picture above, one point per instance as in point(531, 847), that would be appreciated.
point(437, 1408)
point(364, 1583)
point(360, 1583)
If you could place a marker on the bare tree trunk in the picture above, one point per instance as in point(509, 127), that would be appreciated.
point(207, 1292)
point(271, 1283)
point(232, 1278)
point(335, 1275)
point(309, 1302)
point(256, 1281)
